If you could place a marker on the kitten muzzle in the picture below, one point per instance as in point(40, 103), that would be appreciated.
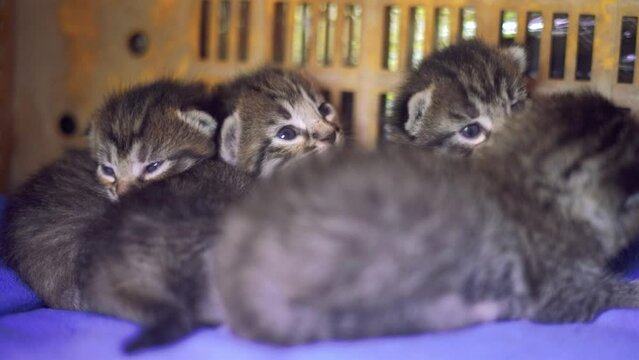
point(122, 187)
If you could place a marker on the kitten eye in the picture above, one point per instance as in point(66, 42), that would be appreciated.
point(152, 167)
point(286, 133)
point(325, 109)
point(107, 170)
point(517, 106)
point(471, 131)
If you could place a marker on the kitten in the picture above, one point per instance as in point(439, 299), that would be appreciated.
point(149, 256)
point(146, 133)
point(150, 132)
point(272, 116)
point(400, 241)
point(457, 96)
point(44, 221)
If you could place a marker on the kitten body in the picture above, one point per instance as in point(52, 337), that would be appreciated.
point(457, 96)
point(399, 241)
point(146, 133)
point(272, 116)
point(151, 131)
point(45, 222)
point(149, 258)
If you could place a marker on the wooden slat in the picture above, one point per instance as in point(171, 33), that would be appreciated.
point(571, 46)
point(84, 44)
point(7, 53)
point(340, 29)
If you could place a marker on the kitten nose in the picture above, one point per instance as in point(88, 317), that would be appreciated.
point(330, 138)
point(122, 187)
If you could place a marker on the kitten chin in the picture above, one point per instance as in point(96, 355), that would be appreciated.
point(400, 241)
point(149, 255)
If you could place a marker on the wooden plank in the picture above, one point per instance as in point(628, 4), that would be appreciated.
point(70, 53)
point(7, 53)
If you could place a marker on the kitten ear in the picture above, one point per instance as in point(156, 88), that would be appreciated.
point(200, 120)
point(230, 139)
point(418, 104)
point(518, 55)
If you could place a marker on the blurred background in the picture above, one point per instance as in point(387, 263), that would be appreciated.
point(60, 58)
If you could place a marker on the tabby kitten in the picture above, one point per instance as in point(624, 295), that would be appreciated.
point(150, 132)
point(149, 258)
point(458, 96)
point(272, 116)
point(345, 251)
point(45, 221)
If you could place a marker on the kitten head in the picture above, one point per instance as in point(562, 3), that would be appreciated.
point(275, 116)
point(150, 132)
point(458, 96)
point(584, 153)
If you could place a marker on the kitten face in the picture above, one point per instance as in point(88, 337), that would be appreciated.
point(150, 132)
point(459, 96)
point(278, 116)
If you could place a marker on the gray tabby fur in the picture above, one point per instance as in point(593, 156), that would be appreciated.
point(398, 241)
point(149, 255)
point(45, 222)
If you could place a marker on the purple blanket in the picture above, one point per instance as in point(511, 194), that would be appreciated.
point(28, 330)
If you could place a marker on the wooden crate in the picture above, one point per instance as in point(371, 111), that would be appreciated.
point(70, 53)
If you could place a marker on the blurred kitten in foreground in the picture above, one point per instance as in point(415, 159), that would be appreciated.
point(398, 241)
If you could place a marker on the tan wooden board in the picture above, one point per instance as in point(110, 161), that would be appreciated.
point(71, 53)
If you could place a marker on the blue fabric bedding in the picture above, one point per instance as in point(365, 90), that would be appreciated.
point(28, 330)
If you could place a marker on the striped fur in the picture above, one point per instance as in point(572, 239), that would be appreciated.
point(147, 259)
point(402, 241)
point(45, 226)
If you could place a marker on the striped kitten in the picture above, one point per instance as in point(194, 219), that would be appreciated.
point(150, 132)
point(458, 96)
point(344, 250)
point(161, 241)
point(146, 133)
point(272, 116)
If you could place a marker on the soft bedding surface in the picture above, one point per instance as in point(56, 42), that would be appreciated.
point(29, 330)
